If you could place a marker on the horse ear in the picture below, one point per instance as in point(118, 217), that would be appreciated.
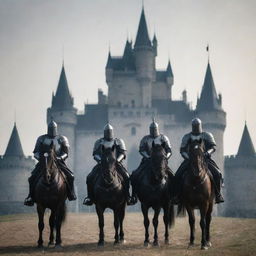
point(102, 148)
point(153, 144)
point(113, 148)
point(52, 145)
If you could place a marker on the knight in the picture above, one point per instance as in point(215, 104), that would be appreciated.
point(197, 133)
point(145, 150)
point(61, 146)
point(108, 141)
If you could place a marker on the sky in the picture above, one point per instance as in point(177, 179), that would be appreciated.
point(36, 35)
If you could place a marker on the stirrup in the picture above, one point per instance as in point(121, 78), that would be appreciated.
point(29, 201)
point(88, 201)
point(219, 199)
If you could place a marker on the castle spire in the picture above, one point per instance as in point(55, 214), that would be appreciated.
point(62, 99)
point(208, 99)
point(142, 38)
point(169, 69)
point(246, 147)
point(14, 147)
point(109, 61)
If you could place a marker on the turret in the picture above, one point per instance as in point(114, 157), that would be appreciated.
point(144, 60)
point(169, 74)
point(213, 117)
point(155, 44)
point(64, 113)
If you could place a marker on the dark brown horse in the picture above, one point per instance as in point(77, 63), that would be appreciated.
point(109, 192)
point(153, 190)
point(50, 192)
point(198, 193)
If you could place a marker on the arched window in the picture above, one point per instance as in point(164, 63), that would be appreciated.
point(133, 131)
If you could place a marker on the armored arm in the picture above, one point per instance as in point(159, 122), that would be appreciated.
point(64, 148)
point(121, 150)
point(143, 147)
point(97, 151)
point(210, 143)
point(167, 146)
point(184, 147)
point(36, 150)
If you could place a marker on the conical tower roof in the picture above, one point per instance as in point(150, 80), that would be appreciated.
point(14, 147)
point(142, 38)
point(62, 99)
point(169, 70)
point(208, 99)
point(246, 147)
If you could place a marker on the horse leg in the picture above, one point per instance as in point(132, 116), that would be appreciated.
point(100, 212)
point(166, 223)
point(52, 225)
point(40, 212)
point(155, 224)
point(59, 218)
point(191, 219)
point(203, 211)
point(146, 223)
point(121, 219)
point(208, 222)
point(116, 225)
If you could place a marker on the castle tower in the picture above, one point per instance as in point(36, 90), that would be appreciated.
point(209, 110)
point(15, 169)
point(145, 60)
point(64, 113)
point(240, 177)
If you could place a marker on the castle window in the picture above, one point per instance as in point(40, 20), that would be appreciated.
point(133, 103)
point(133, 131)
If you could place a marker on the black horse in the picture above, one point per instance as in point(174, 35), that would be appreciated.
point(50, 192)
point(154, 190)
point(198, 193)
point(109, 192)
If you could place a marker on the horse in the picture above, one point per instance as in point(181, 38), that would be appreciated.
point(198, 193)
point(50, 192)
point(109, 192)
point(154, 190)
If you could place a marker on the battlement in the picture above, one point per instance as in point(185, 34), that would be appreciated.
point(9, 162)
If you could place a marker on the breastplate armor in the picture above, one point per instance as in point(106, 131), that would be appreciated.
point(47, 141)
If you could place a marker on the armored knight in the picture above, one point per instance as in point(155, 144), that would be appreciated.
point(146, 148)
point(108, 141)
point(210, 147)
point(61, 146)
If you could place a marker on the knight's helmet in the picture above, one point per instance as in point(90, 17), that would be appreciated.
point(52, 128)
point(108, 132)
point(154, 129)
point(196, 126)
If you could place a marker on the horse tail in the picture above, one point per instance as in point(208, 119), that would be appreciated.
point(171, 219)
point(181, 210)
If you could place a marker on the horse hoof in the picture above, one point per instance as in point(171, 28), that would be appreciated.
point(204, 247)
point(58, 246)
point(209, 244)
point(122, 241)
point(166, 241)
point(146, 244)
point(156, 244)
point(116, 243)
point(101, 243)
point(50, 244)
point(40, 246)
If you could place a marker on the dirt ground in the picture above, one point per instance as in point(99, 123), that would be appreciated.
point(18, 236)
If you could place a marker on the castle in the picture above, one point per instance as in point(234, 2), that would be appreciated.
point(136, 92)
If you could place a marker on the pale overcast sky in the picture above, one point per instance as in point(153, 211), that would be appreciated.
point(34, 32)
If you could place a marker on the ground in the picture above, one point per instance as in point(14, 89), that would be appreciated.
point(230, 236)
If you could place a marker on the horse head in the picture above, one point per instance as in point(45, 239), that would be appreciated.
point(47, 160)
point(197, 158)
point(159, 161)
point(108, 162)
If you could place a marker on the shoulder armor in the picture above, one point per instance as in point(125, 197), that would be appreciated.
point(185, 140)
point(208, 137)
point(63, 140)
point(39, 141)
point(120, 143)
point(97, 144)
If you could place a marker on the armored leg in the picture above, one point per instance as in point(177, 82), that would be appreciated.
point(217, 180)
point(178, 181)
point(126, 176)
point(89, 200)
point(35, 174)
point(70, 180)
